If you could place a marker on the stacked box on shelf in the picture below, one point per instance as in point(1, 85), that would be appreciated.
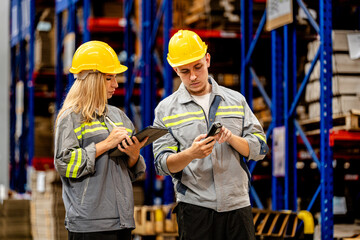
point(44, 138)
point(15, 220)
point(211, 14)
point(345, 82)
point(45, 41)
point(262, 112)
point(47, 208)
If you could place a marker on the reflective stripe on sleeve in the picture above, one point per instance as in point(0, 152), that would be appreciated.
point(175, 148)
point(72, 159)
point(260, 136)
point(78, 162)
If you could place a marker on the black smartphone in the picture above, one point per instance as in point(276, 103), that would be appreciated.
point(214, 129)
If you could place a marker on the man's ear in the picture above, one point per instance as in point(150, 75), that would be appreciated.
point(176, 70)
point(208, 58)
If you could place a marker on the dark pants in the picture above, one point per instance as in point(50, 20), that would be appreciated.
point(206, 224)
point(109, 235)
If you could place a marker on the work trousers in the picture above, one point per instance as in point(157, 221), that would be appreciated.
point(108, 235)
point(197, 223)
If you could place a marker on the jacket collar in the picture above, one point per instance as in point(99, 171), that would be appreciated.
point(186, 97)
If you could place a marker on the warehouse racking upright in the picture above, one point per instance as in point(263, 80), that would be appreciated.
point(21, 92)
point(285, 98)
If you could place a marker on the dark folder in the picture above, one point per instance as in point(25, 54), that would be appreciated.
point(152, 132)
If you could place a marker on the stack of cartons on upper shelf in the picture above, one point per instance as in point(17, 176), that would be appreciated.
point(47, 208)
point(45, 41)
point(211, 14)
point(345, 81)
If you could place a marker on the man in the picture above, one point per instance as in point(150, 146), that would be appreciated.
point(210, 178)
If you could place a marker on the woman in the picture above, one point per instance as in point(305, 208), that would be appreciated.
point(97, 189)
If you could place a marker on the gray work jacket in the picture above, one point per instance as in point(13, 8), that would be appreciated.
point(219, 181)
point(97, 193)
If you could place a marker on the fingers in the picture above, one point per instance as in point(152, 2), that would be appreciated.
point(209, 140)
point(225, 135)
point(198, 138)
point(127, 142)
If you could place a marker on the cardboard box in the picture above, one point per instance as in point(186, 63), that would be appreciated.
point(341, 85)
point(341, 104)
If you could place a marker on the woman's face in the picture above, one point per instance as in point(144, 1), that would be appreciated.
point(111, 84)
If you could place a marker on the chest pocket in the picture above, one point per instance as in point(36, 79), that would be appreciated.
point(186, 132)
point(233, 122)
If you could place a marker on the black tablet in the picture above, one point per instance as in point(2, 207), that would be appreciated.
point(152, 132)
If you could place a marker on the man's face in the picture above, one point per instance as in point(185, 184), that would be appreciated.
point(195, 76)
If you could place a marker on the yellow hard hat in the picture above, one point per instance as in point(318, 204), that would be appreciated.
point(185, 47)
point(96, 56)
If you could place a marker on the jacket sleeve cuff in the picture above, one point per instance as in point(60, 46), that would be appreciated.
point(258, 148)
point(91, 154)
point(161, 165)
point(138, 169)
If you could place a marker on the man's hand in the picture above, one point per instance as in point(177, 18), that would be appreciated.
point(201, 149)
point(224, 135)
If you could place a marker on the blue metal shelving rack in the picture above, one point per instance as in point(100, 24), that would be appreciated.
point(71, 27)
point(147, 65)
point(285, 97)
point(21, 140)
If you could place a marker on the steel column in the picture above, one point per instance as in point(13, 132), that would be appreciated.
point(148, 91)
point(290, 137)
point(168, 196)
point(277, 108)
point(30, 84)
point(326, 157)
point(246, 37)
point(59, 86)
point(86, 14)
point(129, 48)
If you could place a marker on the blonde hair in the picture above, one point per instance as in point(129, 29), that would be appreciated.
point(87, 96)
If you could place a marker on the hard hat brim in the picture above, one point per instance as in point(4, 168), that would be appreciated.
point(187, 61)
point(119, 69)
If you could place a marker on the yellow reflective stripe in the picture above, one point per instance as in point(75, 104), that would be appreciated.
point(88, 124)
point(91, 130)
point(228, 107)
point(129, 130)
point(119, 123)
point(229, 113)
point(184, 120)
point(260, 136)
point(78, 162)
point(175, 148)
point(181, 115)
point(70, 164)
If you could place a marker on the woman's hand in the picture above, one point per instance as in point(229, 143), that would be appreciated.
point(131, 147)
point(117, 135)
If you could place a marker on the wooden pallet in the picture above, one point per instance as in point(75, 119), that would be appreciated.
point(349, 121)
